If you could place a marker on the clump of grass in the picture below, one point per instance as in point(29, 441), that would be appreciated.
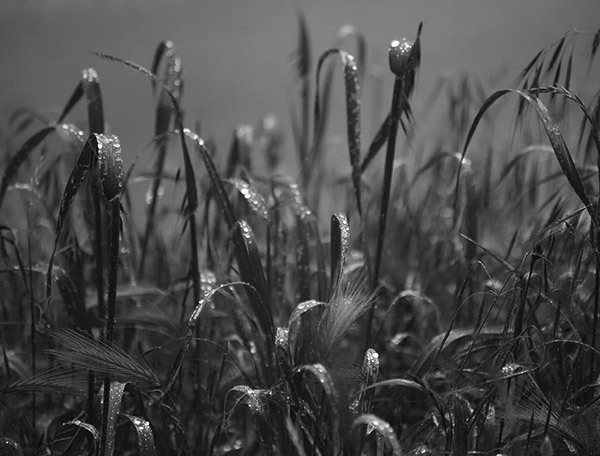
point(408, 322)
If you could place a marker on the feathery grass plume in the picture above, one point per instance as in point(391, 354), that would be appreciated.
point(349, 301)
point(382, 427)
point(110, 169)
point(352, 87)
point(104, 357)
point(190, 330)
point(144, 433)
point(169, 89)
point(53, 380)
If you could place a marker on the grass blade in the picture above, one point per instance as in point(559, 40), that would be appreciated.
point(323, 377)
point(245, 248)
point(340, 244)
point(164, 114)
point(382, 427)
point(557, 141)
point(255, 200)
point(145, 436)
point(352, 86)
point(255, 400)
point(85, 164)
point(91, 90)
point(19, 158)
point(110, 411)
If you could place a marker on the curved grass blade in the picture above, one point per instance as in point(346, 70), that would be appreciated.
point(361, 47)
point(145, 436)
point(190, 179)
point(302, 334)
point(308, 236)
point(89, 429)
point(382, 427)
point(352, 86)
point(191, 328)
point(22, 118)
point(103, 357)
point(450, 341)
point(340, 244)
point(252, 272)
point(326, 381)
point(370, 370)
point(164, 114)
point(255, 200)
point(85, 164)
point(19, 158)
point(245, 248)
point(557, 141)
point(110, 412)
point(255, 400)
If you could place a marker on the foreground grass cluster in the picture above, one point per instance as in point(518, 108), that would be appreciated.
point(449, 305)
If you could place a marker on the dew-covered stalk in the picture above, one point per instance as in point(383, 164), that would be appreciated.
point(111, 181)
point(397, 64)
point(109, 334)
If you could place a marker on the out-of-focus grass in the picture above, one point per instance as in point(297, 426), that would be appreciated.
point(449, 305)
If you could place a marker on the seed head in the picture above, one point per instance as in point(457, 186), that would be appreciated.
point(399, 56)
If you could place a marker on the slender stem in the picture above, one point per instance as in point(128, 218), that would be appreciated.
point(32, 318)
point(386, 190)
point(109, 334)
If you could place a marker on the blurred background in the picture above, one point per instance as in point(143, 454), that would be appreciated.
point(238, 54)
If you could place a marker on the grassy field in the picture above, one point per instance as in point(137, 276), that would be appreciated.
point(431, 289)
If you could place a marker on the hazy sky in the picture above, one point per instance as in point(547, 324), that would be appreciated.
point(237, 54)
